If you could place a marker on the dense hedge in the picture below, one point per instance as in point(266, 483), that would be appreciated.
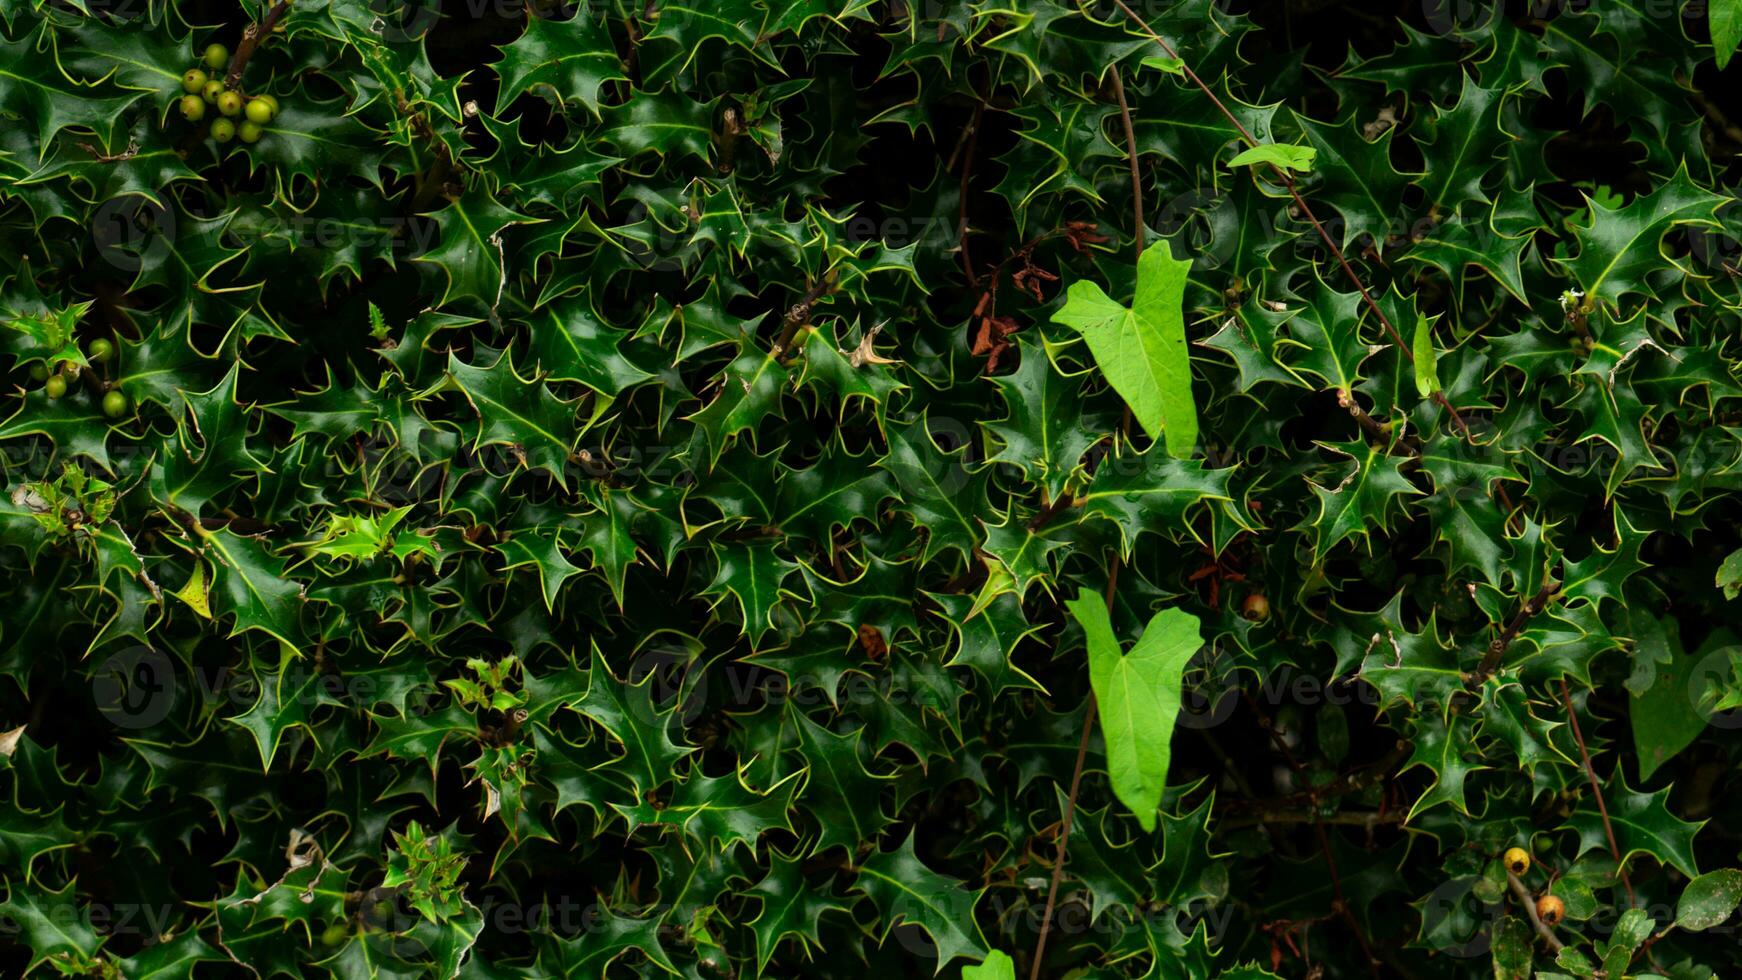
point(502, 489)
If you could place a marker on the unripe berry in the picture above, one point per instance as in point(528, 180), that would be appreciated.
point(100, 350)
point(1256, 608)
point(39, 372)
point(56, 386)
point(271, 102)
point(223, 130)
point(193, 108)
point(1550, 910)
point(259, 111)
point(193, 81)
point(249, 131)
point(230, 103)
point(1517, 860)
point(114, 404)
point(211, 90)
point(216, 56)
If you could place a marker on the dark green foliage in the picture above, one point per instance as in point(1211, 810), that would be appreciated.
point(593, 492)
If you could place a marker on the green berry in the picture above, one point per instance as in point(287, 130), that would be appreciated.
point(114, 404)
point(223, 130)
point(271, 102)
point(56, 386)
point(230, 103)
point(249, 131)
point(193, 81)
point(217, 56)
point(259, 111)
point(39, 372)
point(100, 350)
point(211, 90)
point(193, 108)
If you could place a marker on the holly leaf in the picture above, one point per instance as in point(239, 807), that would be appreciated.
point(936, 489)
point(791, 906)
point(1151, 492)
point(213, 437)
point(1046, 431)
point(523, 415)
point(471, 253)
point(751, 573)
point(842, 795)
point(560, 60)
point(1360, 502)
point(540, 547)
point(1642, 824)
point(1620, 246)
point(251, 584)
point(284, 702)
point(906, 891)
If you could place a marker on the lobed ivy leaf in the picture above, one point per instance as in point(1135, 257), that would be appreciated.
point(1138, 694)
point(1141, 349)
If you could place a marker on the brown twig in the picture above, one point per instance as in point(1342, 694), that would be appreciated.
point(1354, 782)
point(1374, 428)
point(1339, 903)
point(800, 313)
point(1353, 818)
point(1596, 790)
point(1497, 648)
point(1299, 202)
point(253, 36)
point(1051, 510)
point(1719, 121)
point(1137, 230)
point(1524, 898)
point(973, 139)
point(1058, 863)
point(101, 157)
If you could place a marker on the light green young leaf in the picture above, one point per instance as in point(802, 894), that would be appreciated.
point(1139, 697)
point(1173, 66)
point(1427, 375)
point(997, 966)
point(377, 323)
point(1282, 156)
point(1730, 574)
point(1724, 17)
point(1142, 349)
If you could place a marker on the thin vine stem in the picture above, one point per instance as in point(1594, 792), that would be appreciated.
point(1597, 791)
point(1300, 202)
point(1058, 864)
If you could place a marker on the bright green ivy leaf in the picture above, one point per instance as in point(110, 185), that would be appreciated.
point(1139, 696)
point(1141, 349)
point(1282, 156)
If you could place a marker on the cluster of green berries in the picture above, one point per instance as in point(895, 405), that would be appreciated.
point(207, 90)
point(54, 385)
